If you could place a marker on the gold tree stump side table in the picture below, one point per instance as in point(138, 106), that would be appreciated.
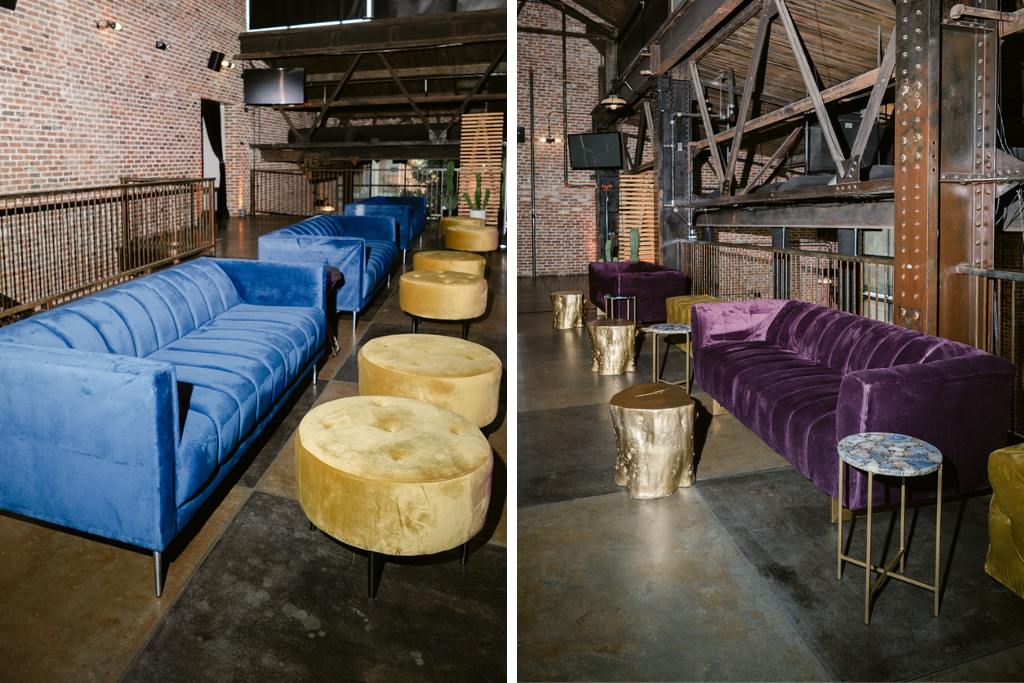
point(612, 346)
point(892, 455)
point(567, 310)
point(654, 436)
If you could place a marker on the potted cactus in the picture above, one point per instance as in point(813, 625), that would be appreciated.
point(450, 196)
point(477, 207)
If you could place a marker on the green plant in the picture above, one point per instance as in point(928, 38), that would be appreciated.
point(608, 251)
point(450, 196)
point(634, 244)
point(477, 205)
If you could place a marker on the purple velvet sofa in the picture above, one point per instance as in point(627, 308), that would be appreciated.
point(651, 284)
point(802, 377)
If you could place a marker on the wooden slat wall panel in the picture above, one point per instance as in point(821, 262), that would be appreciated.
point(638, 209)
point(482, 137)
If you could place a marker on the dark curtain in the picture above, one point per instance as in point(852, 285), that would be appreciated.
point(211, 123)
point(274, 13)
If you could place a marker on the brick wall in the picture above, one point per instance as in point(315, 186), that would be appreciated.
point(82, 107)
point(566, 217)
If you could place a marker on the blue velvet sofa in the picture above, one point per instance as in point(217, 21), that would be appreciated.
point(362, 247)
point(124, 410)
point(409, 212)
point(802, 377)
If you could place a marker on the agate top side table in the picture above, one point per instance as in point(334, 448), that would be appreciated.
point(614, 305)
point(612, 346)
point(892, 455)
point(654, 438)
point(567, 310)
point(670, 328)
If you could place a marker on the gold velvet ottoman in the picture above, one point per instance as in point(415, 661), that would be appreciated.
point(1005, 559)
point(472, 238)
point(677, 308)
point(448, 221)
point(393, 476)
point(442, 296)
point(451, 373)
point(449, 261)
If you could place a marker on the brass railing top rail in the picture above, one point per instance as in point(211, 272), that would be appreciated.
point(103, 188)
point(122, 275)
point(880, 260)
point(1015, 276)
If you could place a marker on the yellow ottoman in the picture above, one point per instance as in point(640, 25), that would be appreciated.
point(678, 307)
point(472, 238)
point(448, 221)
point(451, 373)
point(392, 476)
point(442, 296)
point(1005, 559)
point(452, 261)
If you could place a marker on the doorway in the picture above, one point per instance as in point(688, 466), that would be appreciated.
point(213, 152)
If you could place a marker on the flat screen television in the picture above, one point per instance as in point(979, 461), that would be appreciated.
point(8, 4)
point(274, 86)
point(595, 151)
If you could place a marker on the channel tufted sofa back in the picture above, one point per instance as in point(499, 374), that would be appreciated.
point(137, 318)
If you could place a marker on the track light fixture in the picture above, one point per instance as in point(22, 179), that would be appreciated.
point(112, 25)
point(218, 61)
point(161, 45)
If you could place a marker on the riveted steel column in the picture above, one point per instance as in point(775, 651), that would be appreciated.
point(968, 168)
point(916, 189)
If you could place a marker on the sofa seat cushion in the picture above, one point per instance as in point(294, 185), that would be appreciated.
point(379, 257)
point(788, 401)
point(231, 372)
point(293, 331)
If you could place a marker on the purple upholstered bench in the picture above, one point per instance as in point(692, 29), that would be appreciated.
point(649, 282)
point(802, 377)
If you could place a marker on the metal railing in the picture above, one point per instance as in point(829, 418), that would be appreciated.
point(308, 193)
point(1003, 305)
point(64, 244)
point(737, 272)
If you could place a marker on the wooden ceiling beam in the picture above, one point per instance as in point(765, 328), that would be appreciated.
point(415, 73)
point(378, 35)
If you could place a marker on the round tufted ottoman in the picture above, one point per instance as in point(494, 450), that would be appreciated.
point(442, 296)
point(452, 373)
point(448, 221)
point(393, 476)
point(450, 261)
point(471, 238)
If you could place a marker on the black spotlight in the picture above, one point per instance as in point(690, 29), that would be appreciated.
point(216, 61)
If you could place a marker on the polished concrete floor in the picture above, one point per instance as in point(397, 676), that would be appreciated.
point(78, 608)
point(612, 588)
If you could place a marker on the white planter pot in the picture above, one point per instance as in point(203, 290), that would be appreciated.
point(478, 213)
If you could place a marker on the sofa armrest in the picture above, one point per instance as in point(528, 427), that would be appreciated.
point(383, 228)
point(959, 405)
point(89, 441)
point(401, 214)
point(277, 284)
point(732, 321)
point(347, 254)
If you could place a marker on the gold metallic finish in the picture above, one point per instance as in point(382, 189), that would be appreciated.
point(654, 437)
point(612, 346)
point(567, 310)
